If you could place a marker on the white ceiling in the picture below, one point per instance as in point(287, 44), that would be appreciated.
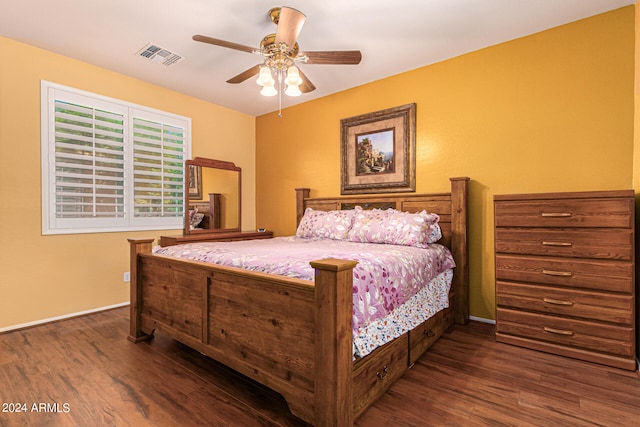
point(393, 36)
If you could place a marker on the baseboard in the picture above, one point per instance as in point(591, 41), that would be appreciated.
point(483, 320)
point(66, 316)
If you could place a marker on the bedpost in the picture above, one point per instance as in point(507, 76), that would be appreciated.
point(459, 246)
point(333, 376)
point(136, 246)
point(301, 194)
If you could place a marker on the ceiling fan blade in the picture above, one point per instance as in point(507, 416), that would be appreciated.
point(289, 26)
point(349, 57)
point(306, 85)
point(223, 43)
point(247, 74)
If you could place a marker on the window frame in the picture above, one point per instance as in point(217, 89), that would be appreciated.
point(50, 92)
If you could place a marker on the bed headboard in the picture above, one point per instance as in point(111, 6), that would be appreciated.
point(452, 207)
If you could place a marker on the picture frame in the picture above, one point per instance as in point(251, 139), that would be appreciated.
point(195, 182)
point(378, 151)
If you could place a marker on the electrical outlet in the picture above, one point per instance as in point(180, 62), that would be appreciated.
point(127, 277)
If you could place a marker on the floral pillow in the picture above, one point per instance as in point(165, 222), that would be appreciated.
point(326, 224)
point(434, 234)
point(395, 227)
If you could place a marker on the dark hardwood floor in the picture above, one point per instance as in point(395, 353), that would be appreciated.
point(84, 372)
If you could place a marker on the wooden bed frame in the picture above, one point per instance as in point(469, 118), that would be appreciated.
point(294, 336)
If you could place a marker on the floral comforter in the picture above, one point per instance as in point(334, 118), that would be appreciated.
point(395, 288)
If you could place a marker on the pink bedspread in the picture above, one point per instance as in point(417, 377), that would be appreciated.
point(385, 277)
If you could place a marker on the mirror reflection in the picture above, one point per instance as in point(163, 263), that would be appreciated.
point(214, 196)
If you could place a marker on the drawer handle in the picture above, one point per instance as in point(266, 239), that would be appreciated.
point(429, 332)
point(558, 331)
point(382, 375)
point(557, 273)
point(556, 214)
point(557, 244)
point(557, 301)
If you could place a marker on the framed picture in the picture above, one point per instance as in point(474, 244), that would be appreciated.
point(195, 182)
point(378, 151)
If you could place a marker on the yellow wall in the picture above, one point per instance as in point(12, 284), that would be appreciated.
point(548, 112)
point(48, 276)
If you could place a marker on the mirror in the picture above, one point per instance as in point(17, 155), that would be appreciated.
point(213, 198)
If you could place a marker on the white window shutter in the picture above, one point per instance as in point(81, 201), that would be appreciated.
point(89, 162)
point(108, 165)
point(158, 169)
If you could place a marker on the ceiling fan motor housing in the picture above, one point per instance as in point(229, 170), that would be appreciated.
point(281, 56)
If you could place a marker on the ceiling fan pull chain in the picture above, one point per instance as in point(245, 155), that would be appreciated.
point(280, 93)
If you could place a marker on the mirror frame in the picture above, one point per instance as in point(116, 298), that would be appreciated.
point(214, 164)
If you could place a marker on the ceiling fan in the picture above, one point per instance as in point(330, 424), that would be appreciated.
point(280, 51)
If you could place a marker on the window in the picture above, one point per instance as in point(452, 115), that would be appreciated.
point(108, 165)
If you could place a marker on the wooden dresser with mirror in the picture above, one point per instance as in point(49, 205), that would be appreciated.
point(213, 204)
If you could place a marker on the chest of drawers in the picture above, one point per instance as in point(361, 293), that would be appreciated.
point(565, 274)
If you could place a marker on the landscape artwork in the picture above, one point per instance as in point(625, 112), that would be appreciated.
point(375, 152)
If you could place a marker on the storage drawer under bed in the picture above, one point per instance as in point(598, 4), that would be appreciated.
point(373, 374)
point(422, 337)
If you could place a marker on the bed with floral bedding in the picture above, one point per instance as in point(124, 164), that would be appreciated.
point(395, 287)
point(330, 317)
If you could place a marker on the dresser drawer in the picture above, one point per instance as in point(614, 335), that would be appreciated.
point(611, 339)
point(601, 243)
point(614, 276)
point(606, 307)
point(565, 213)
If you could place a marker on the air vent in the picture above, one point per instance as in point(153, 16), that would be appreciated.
point(159, 55)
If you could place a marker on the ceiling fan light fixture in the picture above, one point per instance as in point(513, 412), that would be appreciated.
point(265, 78)
point(268, 90)
point(293, 77)
point(293, 90)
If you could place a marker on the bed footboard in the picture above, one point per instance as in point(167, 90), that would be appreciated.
point(278, 331)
